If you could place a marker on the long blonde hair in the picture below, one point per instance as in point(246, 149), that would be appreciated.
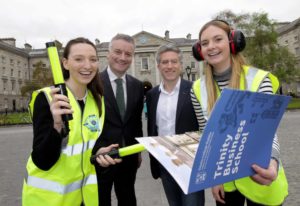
point(237, 61)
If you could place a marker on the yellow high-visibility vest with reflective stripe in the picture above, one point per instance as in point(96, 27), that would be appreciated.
point(275, 193)
point(72, 180)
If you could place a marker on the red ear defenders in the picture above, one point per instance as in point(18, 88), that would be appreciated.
point(237, 43)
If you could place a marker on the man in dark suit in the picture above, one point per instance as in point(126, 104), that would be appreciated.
point(170, 111)
point(123, 96)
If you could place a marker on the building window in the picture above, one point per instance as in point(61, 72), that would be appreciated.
point(192, 64)
point(12, 62)
point(13, 86)
point(193, 77)
point(4, 85)
point(3, 60)
point(145, 64)
point(19, 74)
point(297, 51)
point(25, 75)
point(12, 72)
point(3, 70)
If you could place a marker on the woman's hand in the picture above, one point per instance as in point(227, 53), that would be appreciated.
point(106, 160)
point(218, 193)
point(58, 106)
point(265, 176)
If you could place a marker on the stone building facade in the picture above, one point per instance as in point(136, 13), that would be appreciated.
point(14, 66)
point(289, 36)
point(18, 64)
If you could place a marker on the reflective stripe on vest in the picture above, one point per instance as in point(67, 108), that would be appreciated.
point(76, 149)
point(278, 190)
point(57, 187)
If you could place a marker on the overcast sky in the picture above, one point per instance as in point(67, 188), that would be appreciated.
point(38, 21)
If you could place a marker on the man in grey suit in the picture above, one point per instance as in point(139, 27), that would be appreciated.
point(123, 96)
point(170, 111)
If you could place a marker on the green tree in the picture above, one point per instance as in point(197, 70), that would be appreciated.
point(235, 20)
point(41, 77)
point(262, 49)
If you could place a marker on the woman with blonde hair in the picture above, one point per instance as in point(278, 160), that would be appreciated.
point(225, 67)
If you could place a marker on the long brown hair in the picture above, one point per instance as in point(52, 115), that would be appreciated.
point(237, 61)
point(96, 84)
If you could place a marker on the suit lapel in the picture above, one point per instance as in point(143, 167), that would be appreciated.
point(108, 92)
point(155, 102)
point(153, 108)
point(182, 97)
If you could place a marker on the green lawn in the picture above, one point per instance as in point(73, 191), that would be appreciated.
point(24, 118)
point(15, 118)
point(294, 103)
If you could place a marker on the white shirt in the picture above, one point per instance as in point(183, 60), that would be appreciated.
point(166, 110)
point(112, 78)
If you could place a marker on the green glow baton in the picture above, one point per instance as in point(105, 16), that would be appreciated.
point(58, 80)
point(122, 152)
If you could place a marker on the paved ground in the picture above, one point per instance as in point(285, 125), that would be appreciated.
point(15, 144)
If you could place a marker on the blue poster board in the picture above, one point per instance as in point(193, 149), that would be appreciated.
point(239, 133)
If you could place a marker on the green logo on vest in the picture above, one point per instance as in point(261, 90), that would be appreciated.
point(92, 123)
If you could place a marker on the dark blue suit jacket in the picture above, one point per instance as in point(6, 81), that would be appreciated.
point(115, 129)
point(186, 120)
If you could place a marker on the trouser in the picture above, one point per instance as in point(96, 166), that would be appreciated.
point(122, 177)
point(235, 198)
point(175, 195)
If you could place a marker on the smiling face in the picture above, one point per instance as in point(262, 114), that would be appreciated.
point(169, 66)
point(215, 48)
point(120, 56)
point(82, 64)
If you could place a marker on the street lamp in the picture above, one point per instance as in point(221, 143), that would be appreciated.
point(188, 70)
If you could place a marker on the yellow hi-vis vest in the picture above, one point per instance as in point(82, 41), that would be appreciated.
point(72, 180)
point(275, 193)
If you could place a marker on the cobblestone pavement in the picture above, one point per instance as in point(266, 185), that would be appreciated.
point(15, 144)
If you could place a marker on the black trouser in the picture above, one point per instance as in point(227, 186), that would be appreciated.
point(122, 177)
point(236, 199)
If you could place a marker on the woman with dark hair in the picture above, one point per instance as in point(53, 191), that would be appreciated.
point(220, 47)
point(59, 171)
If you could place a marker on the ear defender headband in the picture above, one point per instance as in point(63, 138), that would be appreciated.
point(237, 43)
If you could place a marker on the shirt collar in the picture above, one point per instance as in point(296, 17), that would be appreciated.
point(176, 88)
point(113, 77)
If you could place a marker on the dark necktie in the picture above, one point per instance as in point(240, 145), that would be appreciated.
point(120, 97)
